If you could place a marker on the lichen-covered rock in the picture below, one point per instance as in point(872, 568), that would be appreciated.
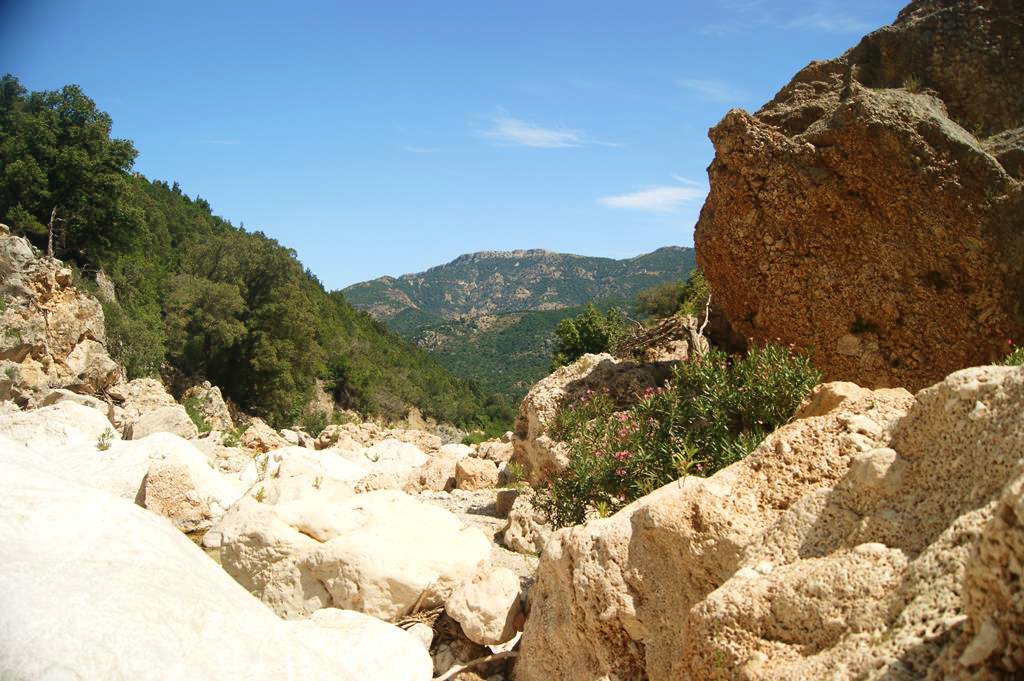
point(527, 530)
point(533, 447)
point(859, 541)
point(495, 450)
point(261, 437)
point(135, 398)
point(863, 212)
point(437, 475)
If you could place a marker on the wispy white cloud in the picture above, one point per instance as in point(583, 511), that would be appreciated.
point(712, 90)
point(661, 199)
point(507, 130)
point(826, 16)
point(829, 23)
point(685, 180)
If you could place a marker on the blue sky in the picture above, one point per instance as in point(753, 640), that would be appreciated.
point(386, 137)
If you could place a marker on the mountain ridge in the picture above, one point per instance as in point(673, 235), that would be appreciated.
point(492, 282)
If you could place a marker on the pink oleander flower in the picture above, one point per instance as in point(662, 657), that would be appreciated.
point(621, 472)
point(623, 417)
point(622, 455)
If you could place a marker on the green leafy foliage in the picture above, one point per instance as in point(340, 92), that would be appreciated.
point(684, 297)
point(59, 166)
point(1016, 356)
point(589, 332)
point(661, 301)
point(198, 294)
point(191, 405)
point(714, 411)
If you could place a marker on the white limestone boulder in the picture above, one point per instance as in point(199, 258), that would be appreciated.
point(487, 605)
point(169, 419)
point(96, 588)
point(379, 553)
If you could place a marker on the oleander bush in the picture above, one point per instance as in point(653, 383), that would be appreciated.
point(714, 411)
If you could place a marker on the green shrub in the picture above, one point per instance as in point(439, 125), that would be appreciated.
point(1016, 356)
point(104, 439)
point(694, 296)
point(232, 438)
point(314, 422)
point(191, 405)
point(713, 412)
point(588, 332)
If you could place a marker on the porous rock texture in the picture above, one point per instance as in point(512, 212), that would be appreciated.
point(874, 537)
point(532, 445)
point(873, 210)
point(51, 335)
point(95, 587)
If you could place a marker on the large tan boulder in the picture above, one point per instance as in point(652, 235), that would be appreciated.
point(261, 437)
point(533, 447)
point(857, 541)
point(472, 473)
point(873, 210)
point(98, 574)
point(606, 603)
point(380, 553)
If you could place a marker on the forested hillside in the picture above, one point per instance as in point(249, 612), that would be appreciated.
point(194, 292)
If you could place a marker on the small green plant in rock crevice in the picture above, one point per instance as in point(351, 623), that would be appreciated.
point(232, 438)
point(1016, 356)
point(192, 408)
point(514, 474)
point(714, 411)
point(104, 439)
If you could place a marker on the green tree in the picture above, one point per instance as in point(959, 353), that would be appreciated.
point(61, 169)
point(588, 332)
point(661, 301)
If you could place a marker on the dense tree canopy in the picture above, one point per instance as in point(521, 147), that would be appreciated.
point(195, 293)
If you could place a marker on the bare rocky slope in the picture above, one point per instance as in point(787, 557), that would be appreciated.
point(874, 210)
